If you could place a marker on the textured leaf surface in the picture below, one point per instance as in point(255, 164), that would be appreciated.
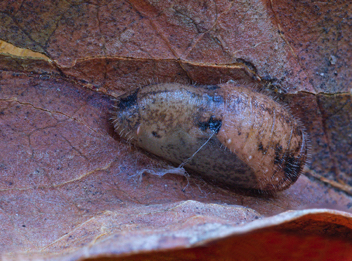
point(70, 189)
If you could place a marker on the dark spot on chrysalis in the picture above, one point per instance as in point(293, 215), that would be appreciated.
point(218, 99)
point(156, 135)
point(128, 101)
point(261, 148)
point(210, 87)
point(212, 124)
point(278, 151)
point(292, 168)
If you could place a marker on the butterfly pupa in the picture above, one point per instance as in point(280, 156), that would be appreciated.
point(244, 139)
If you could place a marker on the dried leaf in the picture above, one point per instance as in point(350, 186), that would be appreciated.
point(70, 189)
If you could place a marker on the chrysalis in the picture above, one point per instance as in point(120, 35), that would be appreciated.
point(230, 135)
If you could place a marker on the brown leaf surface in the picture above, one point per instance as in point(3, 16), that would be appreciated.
point(70, 189)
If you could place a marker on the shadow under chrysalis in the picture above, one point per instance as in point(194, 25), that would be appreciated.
point(229, 135)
